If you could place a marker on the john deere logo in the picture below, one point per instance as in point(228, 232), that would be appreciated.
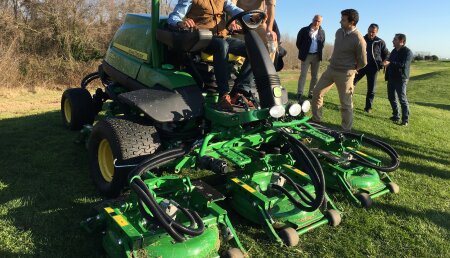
point(277, 92)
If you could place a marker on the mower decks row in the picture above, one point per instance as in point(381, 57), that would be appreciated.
point(156, 118)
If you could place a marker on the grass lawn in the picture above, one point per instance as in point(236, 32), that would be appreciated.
point(45, 190)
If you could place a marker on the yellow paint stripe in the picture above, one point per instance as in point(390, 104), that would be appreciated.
point(109, 210)
point(298, 171)
point(243, 185)
point(133, 52)
point(362, 154)
point(120, 220)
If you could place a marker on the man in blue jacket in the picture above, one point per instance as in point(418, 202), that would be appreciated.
point(310, 42)
point(377, 53)
point(397, 76)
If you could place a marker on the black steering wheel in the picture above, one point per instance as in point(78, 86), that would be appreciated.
point(247, 20)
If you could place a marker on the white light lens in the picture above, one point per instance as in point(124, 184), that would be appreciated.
point(277, 111)
point(295, 109)
point(306, 106)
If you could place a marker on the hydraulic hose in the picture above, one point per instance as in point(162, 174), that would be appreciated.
point(393, 155)
point(88, 78)
point(173, 228)
point(315, 172)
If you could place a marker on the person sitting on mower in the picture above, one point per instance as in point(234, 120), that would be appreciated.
point(209, 15)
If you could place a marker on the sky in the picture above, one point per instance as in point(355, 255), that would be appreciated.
point(426, 24)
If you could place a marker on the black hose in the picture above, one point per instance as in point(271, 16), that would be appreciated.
point(173, 228)
point(315, 172)
point(194, 218)
point(88, 78)
point(393, 155)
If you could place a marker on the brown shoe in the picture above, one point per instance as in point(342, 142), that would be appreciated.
point(225, 103)
point(239, 96)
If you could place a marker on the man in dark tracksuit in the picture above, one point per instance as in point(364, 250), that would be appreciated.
point(377, 53)
point(397, 76)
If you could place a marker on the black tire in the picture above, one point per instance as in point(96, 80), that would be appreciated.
point(334, 217)
point(289, 236)
point(77, 108)
point(365, 199)
point(393, 187)
point(233, 253)
point(119, 139)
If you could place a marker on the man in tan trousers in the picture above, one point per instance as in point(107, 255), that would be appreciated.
point(349, 55)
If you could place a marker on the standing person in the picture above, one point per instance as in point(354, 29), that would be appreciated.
point(310, 43)
point(265, 30)
point(377, 53)
point(397, 76)
point(349, 55)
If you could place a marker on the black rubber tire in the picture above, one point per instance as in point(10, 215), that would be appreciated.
point(289, 236)
point(365, 199)
point(127, 140)
point(393, 187)
point(81, 108)
point(233, 253)
point(334, 217)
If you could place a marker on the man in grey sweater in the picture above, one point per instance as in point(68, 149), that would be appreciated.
point(349, 55)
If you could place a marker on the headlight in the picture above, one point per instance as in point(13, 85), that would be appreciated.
point(277, 111)
point(306, 106)
point(295, 109)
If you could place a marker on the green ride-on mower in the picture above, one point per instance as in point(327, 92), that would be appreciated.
point(155, 117)
point(362, 177)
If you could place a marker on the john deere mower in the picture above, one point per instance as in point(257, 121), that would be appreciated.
point(156, 117)
point(347, 168)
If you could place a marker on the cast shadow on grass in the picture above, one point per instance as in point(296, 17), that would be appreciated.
point(427, 76)
point(434, 105)
point(437, 217)
point(47, 190)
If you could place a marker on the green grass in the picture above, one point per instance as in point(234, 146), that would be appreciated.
point(45, 190)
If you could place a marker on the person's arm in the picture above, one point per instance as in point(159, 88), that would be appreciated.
point(231, 9)
point(270, 6)
point(180, 10)
point(361, 54)
point(299, 39)
point(384, 51)
point(403, 60)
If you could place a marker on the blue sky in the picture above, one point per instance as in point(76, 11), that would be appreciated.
point(425, 23)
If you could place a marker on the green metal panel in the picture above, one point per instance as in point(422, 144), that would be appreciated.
point(170, 79)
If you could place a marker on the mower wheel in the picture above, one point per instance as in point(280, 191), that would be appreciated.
point(393, 187)
point(289, 236)
point(77, 108)
point(334, 217)
point(233, 253)
point(364, 199)
point(121, 140)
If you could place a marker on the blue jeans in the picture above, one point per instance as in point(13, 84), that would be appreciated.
point(220, 48)
point(398, 87)
point(370, 72)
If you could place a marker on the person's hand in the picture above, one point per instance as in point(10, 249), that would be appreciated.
point(273, 35)
point(186, 24)
point(386, 63)
point(235, 27)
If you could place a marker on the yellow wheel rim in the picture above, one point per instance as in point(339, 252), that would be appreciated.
point(106, 160)
point(67, 111)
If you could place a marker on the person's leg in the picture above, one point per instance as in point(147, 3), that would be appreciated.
point(322, 87)
point(315, 63)
point(401, 92)
point(391, 96)
point(219, 49)
point(359, 75)
point(344, 85)
point(371, 87)
point(304, 66)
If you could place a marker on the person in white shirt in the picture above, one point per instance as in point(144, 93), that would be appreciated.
point(310, 43)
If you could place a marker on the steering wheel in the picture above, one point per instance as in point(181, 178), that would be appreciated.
point(247, 20)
